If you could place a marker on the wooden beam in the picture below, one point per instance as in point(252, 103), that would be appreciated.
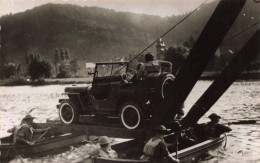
point(215, 30)
point(248, 53)
point(60, 128)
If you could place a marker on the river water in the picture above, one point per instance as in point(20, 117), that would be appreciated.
point(240, 101)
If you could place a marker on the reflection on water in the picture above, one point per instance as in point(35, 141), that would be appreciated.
point(241, 101)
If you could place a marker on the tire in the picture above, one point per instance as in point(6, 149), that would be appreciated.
point(131, 115)
point(68, 112)
point(163, 85)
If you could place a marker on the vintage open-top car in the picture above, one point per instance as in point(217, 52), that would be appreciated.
point(115, 92)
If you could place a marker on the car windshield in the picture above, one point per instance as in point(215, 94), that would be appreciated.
point(111, 69)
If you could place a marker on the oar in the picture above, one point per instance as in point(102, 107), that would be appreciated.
point(238, 122)
point(31, 111)
point(20, 157)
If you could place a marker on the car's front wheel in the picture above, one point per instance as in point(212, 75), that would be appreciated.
point(131, 115)
point(68, 112)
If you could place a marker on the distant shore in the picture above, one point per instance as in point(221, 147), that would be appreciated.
point(255, 75)
point(47, 81)
point(247, 75)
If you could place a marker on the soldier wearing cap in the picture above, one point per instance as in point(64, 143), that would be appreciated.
point(24, 133)
point(213, 128)
point(150, 69)
point(156, 148)
point(105, 149)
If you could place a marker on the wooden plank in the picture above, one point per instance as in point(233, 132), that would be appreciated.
point(60, 128)
point(100, 121)
point(205, 47)
point(248, 53)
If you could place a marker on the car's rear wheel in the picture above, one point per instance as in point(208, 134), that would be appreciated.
point(131, 115)
point(163, 85)
point(68, 112)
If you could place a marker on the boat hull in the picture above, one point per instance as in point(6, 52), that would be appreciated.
point(190, 154)
point(52, 146)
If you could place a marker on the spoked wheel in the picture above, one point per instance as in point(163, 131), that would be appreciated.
point(68, 113)
point(131, 115)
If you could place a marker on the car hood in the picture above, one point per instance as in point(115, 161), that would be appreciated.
point(78, 89)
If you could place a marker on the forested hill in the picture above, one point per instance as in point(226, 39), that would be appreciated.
point(92, 33)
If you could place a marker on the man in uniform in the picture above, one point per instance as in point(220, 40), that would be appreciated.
point(156, 148)
point(105, 150)
point(213, 128)
point(150, 69)
point(24, 133)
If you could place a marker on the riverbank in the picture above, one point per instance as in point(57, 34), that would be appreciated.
point(47, 81)
point(252, 75)
point(247, 75)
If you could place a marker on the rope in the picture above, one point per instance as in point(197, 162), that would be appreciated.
point(237, 34)
point(164, 34)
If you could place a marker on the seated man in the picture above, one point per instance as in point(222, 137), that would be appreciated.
point(156, 148)
point(213, 128)
point(134, 78)
point(105, 150)
point(24, 133)
point(150, 69)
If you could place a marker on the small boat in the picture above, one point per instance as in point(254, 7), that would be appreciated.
point(55, 144)
point(132, 151)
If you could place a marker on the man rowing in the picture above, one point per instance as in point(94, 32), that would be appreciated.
point(24, 133)
point(213, 128)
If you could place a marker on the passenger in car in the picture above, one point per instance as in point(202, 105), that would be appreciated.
point(150, 69)
point(134, 78)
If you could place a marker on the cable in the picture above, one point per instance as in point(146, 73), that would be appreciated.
point(247, 28)
point(164, 34)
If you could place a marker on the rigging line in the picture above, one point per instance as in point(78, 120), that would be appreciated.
point(164, 34)
point(237, 34)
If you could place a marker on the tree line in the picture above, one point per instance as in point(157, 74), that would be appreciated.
point(97, 33)
point(177, 55)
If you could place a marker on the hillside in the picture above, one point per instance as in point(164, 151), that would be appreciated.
point(97, 34)
point(88, 32)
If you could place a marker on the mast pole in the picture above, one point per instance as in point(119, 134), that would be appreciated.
point(200, 55)
point(248, 53)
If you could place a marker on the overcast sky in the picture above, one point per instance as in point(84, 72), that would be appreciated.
point(151, 7)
